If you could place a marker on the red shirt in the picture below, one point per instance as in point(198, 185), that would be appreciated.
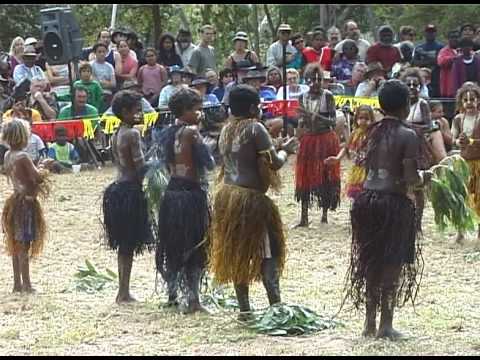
point(445, 61)
point(324, 56)
point(387, 55)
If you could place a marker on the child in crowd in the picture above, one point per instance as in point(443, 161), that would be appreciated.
point(22, 217)
point(94, 89)
point(152, 77)
point(364, 116)
point(62, 152)
point(104, 73)
point(436, 108)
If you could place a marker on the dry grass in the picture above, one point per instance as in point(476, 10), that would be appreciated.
point(53, 322)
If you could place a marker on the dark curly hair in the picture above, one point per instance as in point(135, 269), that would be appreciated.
point(184, 100)
point(125, 99)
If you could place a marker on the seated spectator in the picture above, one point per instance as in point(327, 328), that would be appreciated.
point(187, 76)
point(358, 75)
point(466, 66)
point(82, 109)
point(43, 101)
point(129, 64)
point(93, 87)
point(274, 78)
point(212, 79)
point(226, 77)
point(175, 83)
point(6, 85)
point(299, 60)
point(383, 51)
point(152, 77)
point(167, 56)
point(319, 52)
point(104, 73)
point(36, 148)
point(59, 80)
point(294, 89)
point(342, 68)
point(256, 78)
point(201, 84)
point(16, 53)
point(374, 77)
point(437, 114)
point(20, 110)
point(28, 69)
point(63, 152)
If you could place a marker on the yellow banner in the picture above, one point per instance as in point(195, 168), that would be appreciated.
point(88, 129)
point(356, 101)
point(112, 122)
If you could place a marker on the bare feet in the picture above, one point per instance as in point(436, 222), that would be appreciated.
point(324, 219)
point(125, 298)
point(194, 307)
point(17, 289)
point(245, 316)
point(28, 289)
point(389, 333)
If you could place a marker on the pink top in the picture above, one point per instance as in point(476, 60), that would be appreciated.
point(152, 78)
point(128, 64)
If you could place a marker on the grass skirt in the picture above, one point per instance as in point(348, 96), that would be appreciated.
point(125, 218)
point(242, 220)
point(383, 235)
point(183, 222)
point(23, 224)
point(474, 185)
point(355, 179)
point(313, 178)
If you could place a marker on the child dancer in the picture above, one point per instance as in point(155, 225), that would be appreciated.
point(364, 116)
point(22, 217)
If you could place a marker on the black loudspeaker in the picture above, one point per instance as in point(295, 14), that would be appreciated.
point(62, 40)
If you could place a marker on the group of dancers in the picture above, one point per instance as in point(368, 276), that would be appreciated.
point(239, 237)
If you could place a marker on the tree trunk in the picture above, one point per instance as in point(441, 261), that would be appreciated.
point(183, 18)
point(270, 22)
point(157, 24)
point(256, 32)
point(207, 14)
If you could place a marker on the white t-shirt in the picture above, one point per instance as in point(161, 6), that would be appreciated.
point(35, 145)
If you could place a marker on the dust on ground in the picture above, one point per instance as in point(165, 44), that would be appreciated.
point(445, 321)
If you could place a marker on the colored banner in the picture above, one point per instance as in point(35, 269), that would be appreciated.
point(111, 122)
point(355, 101)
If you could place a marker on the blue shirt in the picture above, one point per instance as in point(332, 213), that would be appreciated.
point(210, 100)
point(73, 154)
point(22, 72)
point(219, 92)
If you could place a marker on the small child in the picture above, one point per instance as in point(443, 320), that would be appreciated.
point(22, 217)
point(436, 110)
point(364, 116)
point(152, 77)
point(94, 89)
point(62, 152)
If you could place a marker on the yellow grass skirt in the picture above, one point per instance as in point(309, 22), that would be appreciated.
point(355, 179)
point(474, 185)
point(24, 224)
point(242, 218)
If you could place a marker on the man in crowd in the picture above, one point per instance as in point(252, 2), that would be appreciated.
point(43, 101)
point(352, 31)
point(82, 109)
point(445, 61)
point(275, 51)
point(319, 52)
point(184, 46)
point(28, 70)
point(383, 51)
point(425, 55)
point(203, 57)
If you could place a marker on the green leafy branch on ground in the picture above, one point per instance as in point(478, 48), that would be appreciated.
point(88, 279)
point(289, 320)
point(214, 294)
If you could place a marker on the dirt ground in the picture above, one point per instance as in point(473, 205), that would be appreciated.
point(445, 321)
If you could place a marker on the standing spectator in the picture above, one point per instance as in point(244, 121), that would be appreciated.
point(129, 64)
point(406, 50)
point(152, 77)
point(241, 53)
point(167, 56)
point(43, 101)
point(467, 31)
point(59, 80)
point(93, 87)
point(212, 79)
point(16, 52)
point(342, 69)
point(275, 51)
point(82, 109)
point(374, 77)
point(406, 33)
point(274, 78)
point(184, 46)
point(425, 55)
point(28, 70)
point(334, 36)
point(112, 56)
point(466, 66)
point(383, 51)
point(104, 73)
point(136, 46)
point(226, 77)
point(294, 88)
point(175, 74)
point(445, 61)
point(352, 32)
point(203, 57)
point(319, 52)
point(299, 60)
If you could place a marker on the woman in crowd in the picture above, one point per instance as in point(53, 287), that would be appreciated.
point(240, 43)
point(167, 55)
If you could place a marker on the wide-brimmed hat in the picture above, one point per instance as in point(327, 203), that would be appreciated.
point(30, 41)
point(255, 74)
point(29, 51)
point(284, 27)
point(374, 66)
point(200, 81)
point(241, 35)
